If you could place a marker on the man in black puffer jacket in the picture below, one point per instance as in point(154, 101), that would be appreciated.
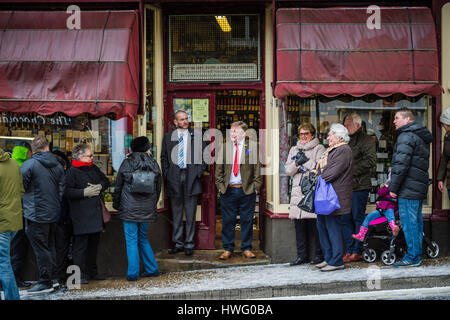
point(409, 181)
point(43, 180)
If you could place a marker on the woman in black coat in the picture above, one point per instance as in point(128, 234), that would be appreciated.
point(138, 209)
point(84, 183)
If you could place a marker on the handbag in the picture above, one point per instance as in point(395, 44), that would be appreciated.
point(308, 186)
point(325, 199)
point(143, 181)
point(105, 212)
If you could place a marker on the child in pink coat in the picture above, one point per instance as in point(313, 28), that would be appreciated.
point(387, 207)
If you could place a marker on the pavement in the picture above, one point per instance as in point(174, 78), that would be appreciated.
point(258, 280)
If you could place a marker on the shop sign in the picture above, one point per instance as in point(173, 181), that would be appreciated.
point(37, 120)
point(215, 72)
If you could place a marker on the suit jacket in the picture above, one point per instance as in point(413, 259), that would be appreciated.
point(195, 166)
point(250, 167)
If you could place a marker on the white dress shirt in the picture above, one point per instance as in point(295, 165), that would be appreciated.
point(237, 179)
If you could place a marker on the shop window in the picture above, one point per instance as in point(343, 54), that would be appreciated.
point(207, 48)
point(377, 115)
point(109, 138)
point(237, 105)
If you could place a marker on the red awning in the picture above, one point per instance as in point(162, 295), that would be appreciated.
point(47, 68)
point(332, 52)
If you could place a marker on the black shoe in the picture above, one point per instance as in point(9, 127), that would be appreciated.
point(23, 284)
point(299, 261)
point(175, 250)
point(317, 260)
point(188, 252)
point(41, 287)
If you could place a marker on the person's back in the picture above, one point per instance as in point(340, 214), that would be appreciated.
point(43, 180)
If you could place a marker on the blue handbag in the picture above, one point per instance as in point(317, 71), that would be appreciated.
point(325, 199)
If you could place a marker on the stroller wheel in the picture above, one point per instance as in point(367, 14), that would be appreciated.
point(388, 258)
point(433, 250)
point(369, 255)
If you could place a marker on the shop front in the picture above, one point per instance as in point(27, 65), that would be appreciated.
point(214, 70)
point(74, 86)
point(330, 64)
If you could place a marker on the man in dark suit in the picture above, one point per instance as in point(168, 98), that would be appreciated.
point(183, 166)
point(238, 179)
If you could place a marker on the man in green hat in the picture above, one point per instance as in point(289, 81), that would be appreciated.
point(20, 244)
point(11, 190)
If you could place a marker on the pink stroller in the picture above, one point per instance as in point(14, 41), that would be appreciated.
point(394, 245)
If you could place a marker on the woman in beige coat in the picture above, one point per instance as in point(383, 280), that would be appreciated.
point(304, 221)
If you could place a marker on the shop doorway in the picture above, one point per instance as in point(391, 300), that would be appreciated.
point(216, 109)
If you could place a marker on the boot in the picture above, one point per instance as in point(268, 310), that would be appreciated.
point(361, 235)
point(394, 227)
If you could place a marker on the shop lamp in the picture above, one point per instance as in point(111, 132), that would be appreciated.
point(223, 23)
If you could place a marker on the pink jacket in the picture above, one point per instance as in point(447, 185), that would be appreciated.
point(384, 205)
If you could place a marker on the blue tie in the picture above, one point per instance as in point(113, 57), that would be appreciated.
point(181, 152)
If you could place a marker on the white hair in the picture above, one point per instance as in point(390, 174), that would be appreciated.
point(340, 132)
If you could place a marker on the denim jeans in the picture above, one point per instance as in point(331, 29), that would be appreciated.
point(232, 202)
point(7, 278)
point(375, 214)
point(410, 212)
point(136, 241)
point(350, 223)
point(330, 235)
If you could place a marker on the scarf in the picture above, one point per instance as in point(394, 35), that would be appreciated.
point(78, 164)
point(323, 161)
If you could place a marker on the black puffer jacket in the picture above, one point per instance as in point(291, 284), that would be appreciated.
point(136, 207)
point(43, 181)
point(410, 162)
point(86, 213)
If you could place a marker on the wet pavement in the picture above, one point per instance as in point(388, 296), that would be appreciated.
point(257, 280)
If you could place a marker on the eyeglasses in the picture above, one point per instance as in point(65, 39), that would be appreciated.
point(304, 133)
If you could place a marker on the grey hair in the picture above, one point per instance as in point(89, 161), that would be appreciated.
point(356, 118)
point(340, 132)
point(80, 150)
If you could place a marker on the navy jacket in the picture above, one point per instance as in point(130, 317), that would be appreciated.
point(43, 181)
point(410, 162)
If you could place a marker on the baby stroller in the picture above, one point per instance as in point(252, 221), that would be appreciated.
point(394, 245)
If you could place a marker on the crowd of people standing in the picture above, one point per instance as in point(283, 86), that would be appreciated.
point(49, 202)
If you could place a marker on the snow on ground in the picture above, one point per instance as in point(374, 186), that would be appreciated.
point(249, 277)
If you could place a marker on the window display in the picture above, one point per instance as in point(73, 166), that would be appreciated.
point(377, 115)
point(214, 48)
point(109, 138)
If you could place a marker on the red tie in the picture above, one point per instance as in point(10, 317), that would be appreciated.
point(236, 161)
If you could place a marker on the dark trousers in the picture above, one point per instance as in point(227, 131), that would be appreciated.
point(235, 201)
point(85, 254)
point(189, 204)
point(350, 223)
point(330, 235)
point(42, 240)
point(62, 246)
point(19, 250)
point(303, 228)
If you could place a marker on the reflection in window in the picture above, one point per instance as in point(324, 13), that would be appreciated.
point(377, 115)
